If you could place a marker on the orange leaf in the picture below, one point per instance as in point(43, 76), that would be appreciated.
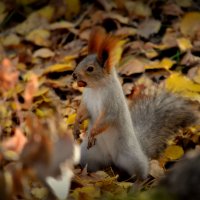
point(15, 143)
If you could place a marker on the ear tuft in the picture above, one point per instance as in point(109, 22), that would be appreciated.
point(97, 37)
point(110, 52)
point(107, 47)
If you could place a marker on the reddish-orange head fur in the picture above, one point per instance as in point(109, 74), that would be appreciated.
point(104, 53)
point(107, 47)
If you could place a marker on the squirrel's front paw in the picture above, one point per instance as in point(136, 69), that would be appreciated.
point(76, 132)
point(91, 142)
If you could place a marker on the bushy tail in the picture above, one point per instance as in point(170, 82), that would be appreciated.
point(155, 118)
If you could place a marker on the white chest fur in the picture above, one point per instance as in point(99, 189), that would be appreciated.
point(93, 100)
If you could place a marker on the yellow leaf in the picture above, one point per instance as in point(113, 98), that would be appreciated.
point(184, 3)
point(39, 37)
point(39, 193)
point(138, 8)
point(40, 113)
point(41, 91)
point(61, 25)
point(43, 53)
point(11, 40)
point(88, 192)
point(47, 12)
point(73, 8)
point(2, 7)
point(184, 44)
point(181, 84)
point(70, 57)
point(85, 124)
point(59, 68)
point(190, 24)
point(71, 119)
point(174, 152)
point(166, 63)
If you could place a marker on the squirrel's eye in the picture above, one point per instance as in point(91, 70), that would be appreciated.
point(90, 69)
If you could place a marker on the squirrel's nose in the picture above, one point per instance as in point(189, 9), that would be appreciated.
point(74, 75)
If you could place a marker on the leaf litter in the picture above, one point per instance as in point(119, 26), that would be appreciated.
point(39, 100)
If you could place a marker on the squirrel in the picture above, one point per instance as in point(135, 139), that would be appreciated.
point(126, 136)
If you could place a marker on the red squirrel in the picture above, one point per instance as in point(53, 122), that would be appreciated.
point(118, 134)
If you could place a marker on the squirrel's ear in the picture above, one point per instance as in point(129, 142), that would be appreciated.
point(96, 39)
point(110, 51)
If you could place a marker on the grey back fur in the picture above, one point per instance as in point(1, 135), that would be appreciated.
point(155, 118)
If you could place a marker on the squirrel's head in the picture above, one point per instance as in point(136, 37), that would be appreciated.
point(104, 54)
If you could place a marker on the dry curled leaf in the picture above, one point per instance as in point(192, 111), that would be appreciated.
point(39, 37)
point(16, 143)
point(148, 27)
point(190, 24)
point(43, 53)
point(30, 90)
point(8, 75)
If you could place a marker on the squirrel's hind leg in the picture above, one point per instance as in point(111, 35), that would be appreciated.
point(133, 165)
point(93, 157)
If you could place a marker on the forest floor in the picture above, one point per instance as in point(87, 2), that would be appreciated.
point(41, 42)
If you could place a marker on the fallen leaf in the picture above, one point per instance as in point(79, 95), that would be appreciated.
point(126, 31)
point(184, 44)
point(8, 75)
point(43, 53)
point(71, 120)
point(189, 59)
point(30, 90)
point(73, 8)
point(171, 8)
point(33, 21)
point(2, 7)
point(11, 40)
point(170, 38)
point(184, 3)
point(61, 25)
point(46, 12)
point(39, 192)
point(196, 76)
point(87, 192)
point(174, 152)
point(59, 68)
point(148, 27)
point(131, 65)
point(117, 17)
point(155, 169)
point(181, 84)
point(137, 9)
point(39, 37)
point(165, 63)
point(190, 24)
point(16, 143)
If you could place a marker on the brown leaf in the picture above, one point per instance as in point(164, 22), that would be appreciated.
point(131, 65)
point(30, 90)
point(138, 9)
point(43, 53)
point(16, 143)
point(8, 75)
point(172, 9)
point(148, 27)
